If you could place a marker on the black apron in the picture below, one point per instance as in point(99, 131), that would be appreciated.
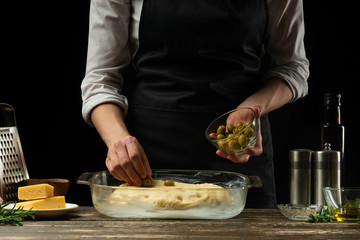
point(196, 60)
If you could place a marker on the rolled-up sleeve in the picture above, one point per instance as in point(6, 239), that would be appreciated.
point(108, 53)
point(285, 45)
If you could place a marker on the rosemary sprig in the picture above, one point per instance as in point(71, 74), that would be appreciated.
point(322, 215)
point(14, 216)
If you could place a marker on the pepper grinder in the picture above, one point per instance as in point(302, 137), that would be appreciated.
point(326, 172)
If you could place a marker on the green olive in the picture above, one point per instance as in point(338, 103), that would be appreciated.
point(230, 127)
point(232, 137)
point(238, 129)
point(233, 144)
point(247, 123)
point(221, 129)
point(243, 140)
point(249, 132)
point(146, 182)
point(222, 144)
point(239, 124)
point(220, 136)
point(169, 182)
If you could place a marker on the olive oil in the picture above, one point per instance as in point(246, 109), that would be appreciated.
point(347, 214)
point(332, 131)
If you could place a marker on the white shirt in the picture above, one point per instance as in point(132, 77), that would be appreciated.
point(113, 42)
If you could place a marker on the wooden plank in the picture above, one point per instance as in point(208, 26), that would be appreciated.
point(86, 223)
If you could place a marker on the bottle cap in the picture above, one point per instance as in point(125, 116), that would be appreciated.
point(330, 99)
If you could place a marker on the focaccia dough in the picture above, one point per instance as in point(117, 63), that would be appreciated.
point(182, 196)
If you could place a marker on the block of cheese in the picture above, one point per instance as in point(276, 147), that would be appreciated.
point(37, 191)
point(47, 203)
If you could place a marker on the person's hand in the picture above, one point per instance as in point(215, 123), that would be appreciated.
point(255, 151)
point(126, 160)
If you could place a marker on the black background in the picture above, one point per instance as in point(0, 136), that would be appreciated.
point(44, 56)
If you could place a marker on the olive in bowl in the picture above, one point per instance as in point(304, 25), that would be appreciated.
point(234, 131)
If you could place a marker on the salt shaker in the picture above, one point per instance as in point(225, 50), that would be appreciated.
point(300, 176)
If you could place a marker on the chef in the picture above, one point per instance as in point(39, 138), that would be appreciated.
point(159, 71)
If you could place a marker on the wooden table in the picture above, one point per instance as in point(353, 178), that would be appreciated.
point(260, 224)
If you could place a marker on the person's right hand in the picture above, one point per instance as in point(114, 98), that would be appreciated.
point(126, 160)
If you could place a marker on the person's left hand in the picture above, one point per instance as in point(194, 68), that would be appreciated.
point(248, 152)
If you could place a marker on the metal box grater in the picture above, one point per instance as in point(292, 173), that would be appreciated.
point(12, 163)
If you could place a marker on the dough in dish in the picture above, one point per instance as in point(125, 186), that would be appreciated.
point(182, 196)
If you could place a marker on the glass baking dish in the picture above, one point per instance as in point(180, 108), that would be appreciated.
point(225, 200)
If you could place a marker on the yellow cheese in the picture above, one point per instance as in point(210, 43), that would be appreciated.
point(47, 203)
point(36, 191)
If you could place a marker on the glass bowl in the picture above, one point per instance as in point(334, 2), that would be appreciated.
point(344, 202)
point(298, 212)
point(238, 131)
point(181, 202)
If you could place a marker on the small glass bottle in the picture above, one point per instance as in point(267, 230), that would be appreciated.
point(332, 132)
